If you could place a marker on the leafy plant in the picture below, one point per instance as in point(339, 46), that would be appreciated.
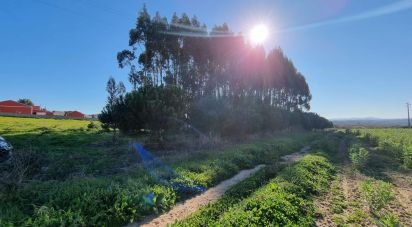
point(387, 219)
point(358, 155)
point(281, 201)
point(377, 194)
point(356, 216)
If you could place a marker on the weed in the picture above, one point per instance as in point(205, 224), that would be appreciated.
point(356, 216)
point(377, 194)
point(387, 219)
point(358, 155)
point(338, 203)
point(338, 220)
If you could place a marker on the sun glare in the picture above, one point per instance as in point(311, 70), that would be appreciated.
point(259, 34)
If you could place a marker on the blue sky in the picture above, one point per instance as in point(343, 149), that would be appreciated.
point(355, 55)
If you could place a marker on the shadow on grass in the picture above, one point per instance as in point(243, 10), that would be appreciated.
point(379, 164)
point(74, 152)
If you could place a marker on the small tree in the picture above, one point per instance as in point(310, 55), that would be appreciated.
point(26, 102)
point(110, 113)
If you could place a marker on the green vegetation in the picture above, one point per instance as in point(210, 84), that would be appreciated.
point(26, 102)
point(373, 194)
point(77, 176)
point(209, 214)
point(284, 200)
point(214, 81)
point(387, 219)
point(378, 194)
point(338, 203)
point(358, 155)
point(396, 143)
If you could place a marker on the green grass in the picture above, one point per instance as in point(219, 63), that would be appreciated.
point(394, 142)
point(338, 201)
point(282, 200)
point(285, 200)
point(84, 180)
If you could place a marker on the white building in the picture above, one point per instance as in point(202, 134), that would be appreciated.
point(59, 113)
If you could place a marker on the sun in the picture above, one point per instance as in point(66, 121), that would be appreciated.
point(259, 34)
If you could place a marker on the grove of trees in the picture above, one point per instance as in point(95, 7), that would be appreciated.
point(25, 101)
point(213, 80)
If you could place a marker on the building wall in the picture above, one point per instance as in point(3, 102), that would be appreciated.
point(59, 113)
point(10, 106)
point(16, 109)
point(75, 114)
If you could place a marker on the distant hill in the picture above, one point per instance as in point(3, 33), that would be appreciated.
point(370, 122)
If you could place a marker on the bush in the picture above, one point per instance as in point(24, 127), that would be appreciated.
point(387, 219)
point(211, 213)
point(358, 155)
point(283, 200)
point(377, 194)
point(371, 140)
point(89, 202)
point(312, 175)
point(271, 205)
point(25, 164)
point(92, 125)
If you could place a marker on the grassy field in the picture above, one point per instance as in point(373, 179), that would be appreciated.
point(393, 142)
point(67, 173)
point(373, 186)
point(345, 182)
point(70, 173)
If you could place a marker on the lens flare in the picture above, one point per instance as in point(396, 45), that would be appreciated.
point(259, 34)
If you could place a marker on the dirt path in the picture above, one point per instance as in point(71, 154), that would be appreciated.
point(294, 157)
point(185, 208)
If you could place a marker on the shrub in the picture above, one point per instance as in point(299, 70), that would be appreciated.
point(24, 164)
point(358, 155)
point(377, 194)
point(372, 140)
point(209, 214)
point(356, 216)
point(283, 201)
point(312, 174)
point(271, 205)
point(92, 125)
point(387, 219)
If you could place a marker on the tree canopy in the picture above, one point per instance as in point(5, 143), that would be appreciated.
point(213, 79)
point(185, 54)
point(26, 102)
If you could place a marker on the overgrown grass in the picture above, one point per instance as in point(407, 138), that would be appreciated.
point(338, 200)
point(396, 143)
point(207, 215)
point(358, 155)
point(377, 193)
point(285, 200)
point(78, 183)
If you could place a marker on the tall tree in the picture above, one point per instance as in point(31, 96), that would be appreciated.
point(111, 113)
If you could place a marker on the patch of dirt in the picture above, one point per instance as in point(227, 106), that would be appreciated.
point(294, 157)
point(185, 208)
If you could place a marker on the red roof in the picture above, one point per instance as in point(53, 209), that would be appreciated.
point(12, 103)
point(10, 106)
